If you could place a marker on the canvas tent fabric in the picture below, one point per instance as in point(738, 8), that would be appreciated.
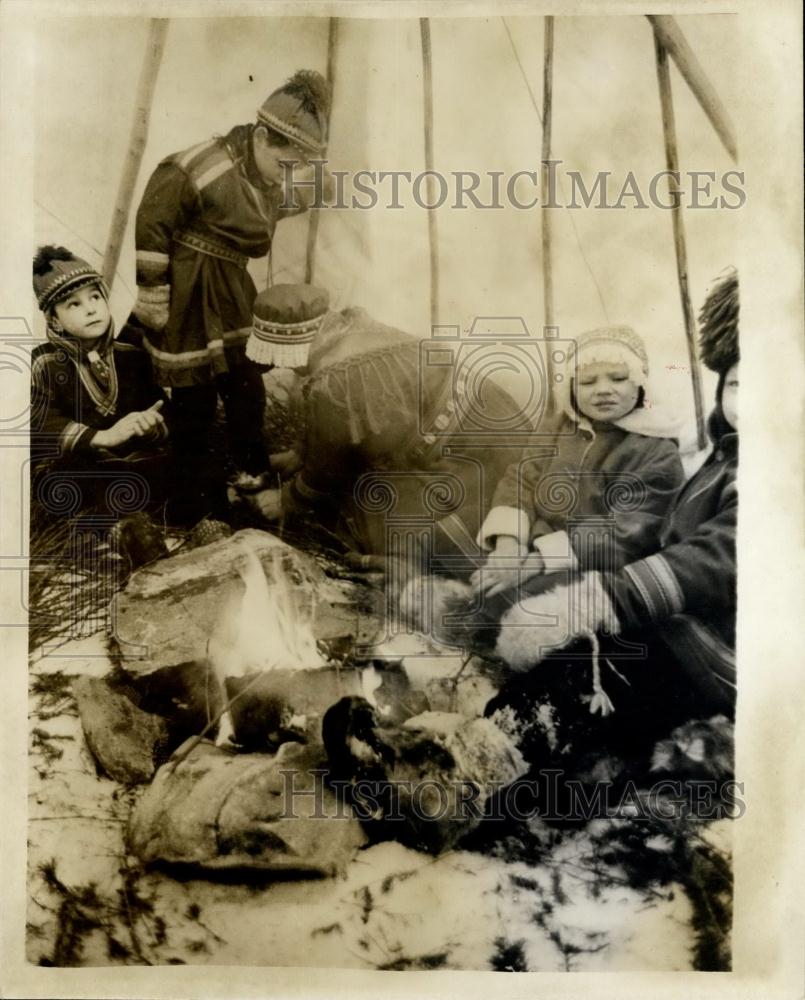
point(610, 265)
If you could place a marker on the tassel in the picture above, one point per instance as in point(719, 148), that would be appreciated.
point(601, 702)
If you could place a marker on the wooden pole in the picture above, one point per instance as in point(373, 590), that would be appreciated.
point(433, 233)
point(545, 214)
point(139, 134)
point(315, 215)
point(547, 119)
point(672, 163)
point(667, 30)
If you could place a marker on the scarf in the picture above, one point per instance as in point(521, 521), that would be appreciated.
point(95, 365)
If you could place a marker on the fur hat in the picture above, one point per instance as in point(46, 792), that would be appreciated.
point(718, 324)
point(286, 319)
point(58, 273)
point(299, 110)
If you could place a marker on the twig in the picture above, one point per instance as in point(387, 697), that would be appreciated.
point(454, 681)
point(194, 741)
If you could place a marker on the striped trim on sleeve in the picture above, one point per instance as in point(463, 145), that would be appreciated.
point(152, 266)
point(659, 589)
point(70, 435)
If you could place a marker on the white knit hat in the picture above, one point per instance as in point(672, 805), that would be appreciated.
point(617, 345)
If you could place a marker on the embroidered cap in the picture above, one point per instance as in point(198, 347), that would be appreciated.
point(286, 319)
point(299, 109)
point(58, 273)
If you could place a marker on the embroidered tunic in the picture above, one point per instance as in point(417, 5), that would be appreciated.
point(204, 213)
point(69, 406)
point(388, 450)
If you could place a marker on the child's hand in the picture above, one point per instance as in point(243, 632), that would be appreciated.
point(139, 423)
point(530, 565)
point(506, 566)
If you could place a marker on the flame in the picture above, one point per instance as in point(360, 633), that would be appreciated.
point(262, 629)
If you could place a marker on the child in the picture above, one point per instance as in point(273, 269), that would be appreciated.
point(94, 405)
point(366, 469)
point(676, 605)
point(593, 493)
point(206, 211)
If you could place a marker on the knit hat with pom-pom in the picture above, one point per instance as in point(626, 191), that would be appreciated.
point(299, 110)
point(58, 273)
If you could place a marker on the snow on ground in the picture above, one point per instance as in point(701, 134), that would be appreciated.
point(395, 908)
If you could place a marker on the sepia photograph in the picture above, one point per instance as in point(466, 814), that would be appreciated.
point(380, 581)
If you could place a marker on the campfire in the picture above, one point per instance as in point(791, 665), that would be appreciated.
point(261, 632)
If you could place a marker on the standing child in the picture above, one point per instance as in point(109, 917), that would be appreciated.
point(96, 413)
point(593, 492)
point(205, 212)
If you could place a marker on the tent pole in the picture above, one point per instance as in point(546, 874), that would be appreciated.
point(315, 216)
point(139, 134)
point(672, 163)
point(667, 31)
point(545, 214)
point(433, 236)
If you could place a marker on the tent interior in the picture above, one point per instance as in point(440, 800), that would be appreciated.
point(609, 266)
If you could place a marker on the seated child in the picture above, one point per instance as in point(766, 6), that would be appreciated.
point(592, 492)
point(675, 607)
point(96, 414)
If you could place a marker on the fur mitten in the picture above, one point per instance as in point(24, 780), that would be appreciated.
point(537, 626)
point(426, 600)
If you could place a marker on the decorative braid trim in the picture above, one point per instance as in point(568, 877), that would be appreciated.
point(280, 333)
point(658, 587)
point(290, 131)
point(194, 151)
point(190, 359)
point(70, 434)
point(65, 283)
point(203, 244)
point(456, 531)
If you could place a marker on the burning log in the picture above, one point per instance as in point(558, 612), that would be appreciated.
point(265, 656)
point(166, 615)
point(195, 629)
